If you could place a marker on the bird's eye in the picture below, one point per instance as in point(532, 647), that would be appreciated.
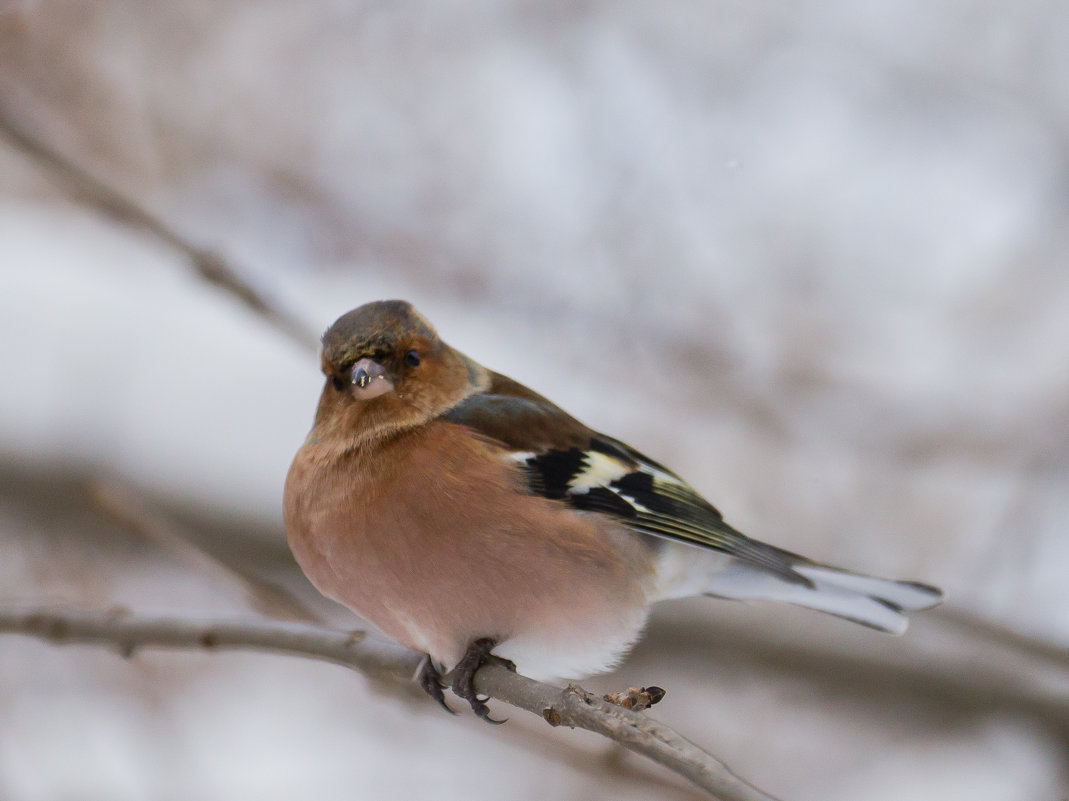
point(338, 383)
point(412, 358)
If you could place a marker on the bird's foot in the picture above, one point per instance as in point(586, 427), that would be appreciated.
point(477, 655)
point(431, 681)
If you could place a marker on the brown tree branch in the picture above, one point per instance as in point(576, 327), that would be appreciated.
point(571, 706)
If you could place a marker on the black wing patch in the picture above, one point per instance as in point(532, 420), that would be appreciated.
point(611, 478)
point(549, 473)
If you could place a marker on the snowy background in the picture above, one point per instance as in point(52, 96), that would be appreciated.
point(813, 256)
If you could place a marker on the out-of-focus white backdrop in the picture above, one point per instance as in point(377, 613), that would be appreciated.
point(814, 257)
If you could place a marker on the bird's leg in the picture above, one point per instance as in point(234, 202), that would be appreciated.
point(477, 655)
point(431, 681)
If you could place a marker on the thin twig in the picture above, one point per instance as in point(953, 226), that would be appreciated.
point(209, 265)
point(575, 707)
point(571, 706)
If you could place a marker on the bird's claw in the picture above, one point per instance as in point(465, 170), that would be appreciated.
point(431, 681)
point(477, 655)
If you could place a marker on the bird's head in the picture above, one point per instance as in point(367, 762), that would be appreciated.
point(386, 370)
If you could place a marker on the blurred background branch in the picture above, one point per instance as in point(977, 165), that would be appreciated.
point(102, 198)
point(133, 510)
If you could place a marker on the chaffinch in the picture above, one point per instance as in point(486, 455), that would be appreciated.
point(459, 512)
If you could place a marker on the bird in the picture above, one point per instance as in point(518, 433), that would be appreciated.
point(471, 519)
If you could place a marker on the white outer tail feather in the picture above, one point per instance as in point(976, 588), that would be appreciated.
point(867, 600)
point(904, 594)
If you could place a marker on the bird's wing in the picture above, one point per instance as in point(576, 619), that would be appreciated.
point(565, 460)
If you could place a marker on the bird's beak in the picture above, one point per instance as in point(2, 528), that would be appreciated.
point(370, 379)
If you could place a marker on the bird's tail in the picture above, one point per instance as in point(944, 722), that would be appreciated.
point(875, 602)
